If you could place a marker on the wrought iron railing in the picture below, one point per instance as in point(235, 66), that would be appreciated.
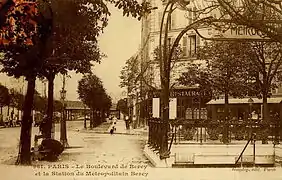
point(185, 130)
point(155, 133)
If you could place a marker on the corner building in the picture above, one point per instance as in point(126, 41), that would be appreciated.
point(186, 102)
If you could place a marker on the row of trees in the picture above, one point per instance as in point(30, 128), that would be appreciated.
point(40, 39)
point(92, 93)
point(237, 69)
point(122, 106)
point(262, 16)
point(15, 99)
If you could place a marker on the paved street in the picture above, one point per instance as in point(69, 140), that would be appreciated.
point(88, 148)
point(95, 154)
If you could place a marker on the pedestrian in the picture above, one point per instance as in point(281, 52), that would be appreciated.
point(112, 128)
point(114, 119)
point(43, 126)
point(127, 122)
point(134, 122)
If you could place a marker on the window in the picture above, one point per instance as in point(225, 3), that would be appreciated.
point(190, 21)
point(172, 23)
point(194, 14)
point(184, 46)
point(160, 14)
point(173, 20)
point(188, 114)
point(192, 46)
point(170, 41)
point(189, 46)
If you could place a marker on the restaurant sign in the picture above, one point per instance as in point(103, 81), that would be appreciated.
point(174, 93)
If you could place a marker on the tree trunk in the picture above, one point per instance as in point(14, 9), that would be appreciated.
point(265, 117)
point(265, 114)
point(92, 119)
point(103, 116)
point(8, 112)
point(1, 116)
point(25, 137)
point(63, 129)
point(164, 119)
point(225, 133)
point(85, 127)
point(50, 105)
point(95, 118)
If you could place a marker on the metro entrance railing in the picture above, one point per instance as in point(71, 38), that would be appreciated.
point(187, 131)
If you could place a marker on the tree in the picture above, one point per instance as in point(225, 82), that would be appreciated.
point(267, 60)
point(26, 28)
point(122, 106)
point(256, 17)
point(93, 94)
point(226, 72)
point(58, 106)
point(17, 99)
point(4, 96)
point(39, 102)
point(264, 16)
point(129, 74)
point(4, 100)
point(69, 52)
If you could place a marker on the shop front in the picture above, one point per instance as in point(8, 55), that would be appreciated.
point(185, 103)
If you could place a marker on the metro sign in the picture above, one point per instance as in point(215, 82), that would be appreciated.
point(233, 32)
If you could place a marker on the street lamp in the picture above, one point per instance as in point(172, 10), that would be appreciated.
point(253, 134)
point(63, 132)
point(164, 75)
point(165, 58)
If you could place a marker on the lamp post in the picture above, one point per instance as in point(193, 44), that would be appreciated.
point(165, 58)
point(253, 134)
point(63, 132)
point(251, 101)
point(164, 61)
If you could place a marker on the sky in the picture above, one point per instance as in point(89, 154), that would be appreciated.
point(120, 41)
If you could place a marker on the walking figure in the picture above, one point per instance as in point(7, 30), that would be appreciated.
point(113, 129)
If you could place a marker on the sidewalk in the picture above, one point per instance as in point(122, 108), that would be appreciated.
point(104, 128)
point(97, 152)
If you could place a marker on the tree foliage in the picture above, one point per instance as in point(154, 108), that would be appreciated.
point(130, 74)
point(4, 96)
point(228, 67)
point(93, 94)
point(39, 103)
point(263, 16)
point(122, 106)
point(16, 99)
point(31, 43)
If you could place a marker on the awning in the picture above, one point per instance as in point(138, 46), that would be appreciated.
point(274, 100)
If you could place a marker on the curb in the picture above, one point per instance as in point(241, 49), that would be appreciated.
point(155, 160)
point(106, 132)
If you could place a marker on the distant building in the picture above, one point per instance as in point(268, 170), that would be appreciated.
point(114, 111)
point(75, 110)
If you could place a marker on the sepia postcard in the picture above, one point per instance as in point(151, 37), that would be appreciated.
point(141, 89)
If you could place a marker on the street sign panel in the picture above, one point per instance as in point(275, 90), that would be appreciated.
point(226, 30)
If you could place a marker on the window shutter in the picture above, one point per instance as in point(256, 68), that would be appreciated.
point(160, 19)
point(184, 46)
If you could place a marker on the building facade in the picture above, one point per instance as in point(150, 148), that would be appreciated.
point(186, 102)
